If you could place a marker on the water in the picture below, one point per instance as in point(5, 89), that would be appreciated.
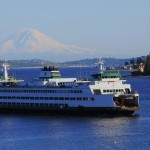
point(44, 132)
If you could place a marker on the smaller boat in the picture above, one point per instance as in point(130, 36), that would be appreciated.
point(7, 80)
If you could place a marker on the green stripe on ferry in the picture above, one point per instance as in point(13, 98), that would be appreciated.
point(54, 77)
point(110, 74)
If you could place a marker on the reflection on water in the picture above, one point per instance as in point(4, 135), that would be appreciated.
point(65, 132)
point(111, 131)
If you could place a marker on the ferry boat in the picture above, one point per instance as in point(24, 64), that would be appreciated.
point(106, 93)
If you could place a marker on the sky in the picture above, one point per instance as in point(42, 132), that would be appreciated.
point(114, 28)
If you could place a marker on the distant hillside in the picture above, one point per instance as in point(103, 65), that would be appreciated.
point(109, 62)
point(27, 63)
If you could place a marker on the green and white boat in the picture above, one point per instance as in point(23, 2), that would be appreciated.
point(106, 93)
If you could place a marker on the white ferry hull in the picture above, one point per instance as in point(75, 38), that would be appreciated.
point(84, 103)
point(55, 95)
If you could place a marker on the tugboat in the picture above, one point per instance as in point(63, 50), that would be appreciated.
point(105, 94)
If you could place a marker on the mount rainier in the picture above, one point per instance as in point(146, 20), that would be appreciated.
point(31, 41)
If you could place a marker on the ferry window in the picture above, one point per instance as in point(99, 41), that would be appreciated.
point(104, 91)
point(97, 91)
point(51, 105)
point(66, 98)
point(56, 105)
point(107, 90)
point(72, 98)
point(23, 103)
point(55, 98)
point(9, 103)
point(79, 98)
point(66, 105)
point(85, 98)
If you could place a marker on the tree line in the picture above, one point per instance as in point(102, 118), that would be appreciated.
point(145, 60)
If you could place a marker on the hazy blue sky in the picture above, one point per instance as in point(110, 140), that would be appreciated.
point(116, 28)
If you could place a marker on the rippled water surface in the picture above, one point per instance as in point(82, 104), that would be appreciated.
point(44, 132)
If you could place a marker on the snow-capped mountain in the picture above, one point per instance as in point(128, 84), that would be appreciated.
point(33, 41)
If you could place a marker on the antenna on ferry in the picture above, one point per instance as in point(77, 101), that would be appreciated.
point(5, 72)
point(80, 74)
point(100, 64)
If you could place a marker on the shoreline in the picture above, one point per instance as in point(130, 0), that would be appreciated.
point(140, 76)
